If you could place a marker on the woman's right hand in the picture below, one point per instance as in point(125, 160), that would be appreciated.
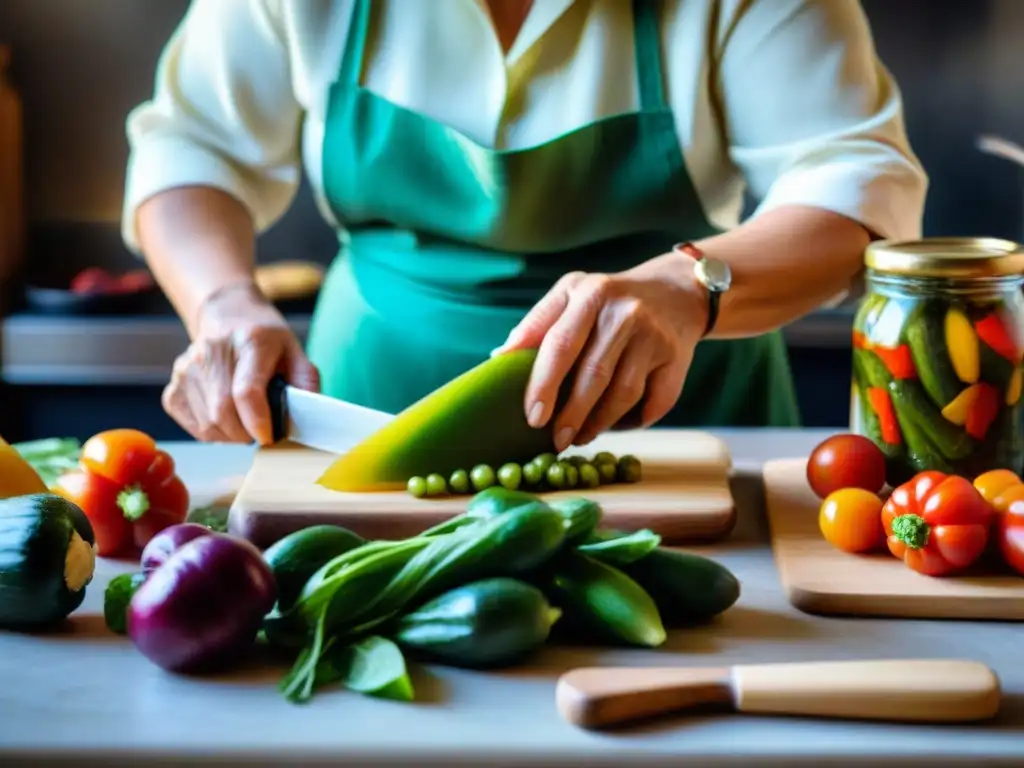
point(218, 388)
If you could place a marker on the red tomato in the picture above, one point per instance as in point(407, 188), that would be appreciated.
point(850, 519)
point(846, 461)
point(1010, 535)
point(937, 523)
point(991, 484)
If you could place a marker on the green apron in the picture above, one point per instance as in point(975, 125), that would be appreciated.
point(447, 243)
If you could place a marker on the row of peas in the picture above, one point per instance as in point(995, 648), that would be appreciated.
point(546, 472)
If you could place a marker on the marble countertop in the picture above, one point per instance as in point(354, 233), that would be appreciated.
point(85, 696)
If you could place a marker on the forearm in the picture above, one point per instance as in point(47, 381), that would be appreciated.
point(785, 264)
point(197, 241)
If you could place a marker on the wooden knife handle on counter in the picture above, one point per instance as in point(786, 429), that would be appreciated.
point(897, 690)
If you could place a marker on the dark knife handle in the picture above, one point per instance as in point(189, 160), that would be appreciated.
point(278, 407)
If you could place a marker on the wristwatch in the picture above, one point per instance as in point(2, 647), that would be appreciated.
point(713, 274)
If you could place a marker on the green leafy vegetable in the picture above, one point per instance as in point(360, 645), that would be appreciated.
point(622, 549)
point(50, 457)
point(373, 665)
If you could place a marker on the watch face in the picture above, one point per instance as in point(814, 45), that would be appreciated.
point(715, 274)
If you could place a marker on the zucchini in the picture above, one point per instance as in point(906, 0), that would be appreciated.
point(299, 555)
point(604, 602)
point(47, 559)
point(116, 598)
point(926, 336)
point(687, 588)
point(487, 623)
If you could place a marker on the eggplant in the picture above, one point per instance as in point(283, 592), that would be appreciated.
point(203, 606)
point(168, 541)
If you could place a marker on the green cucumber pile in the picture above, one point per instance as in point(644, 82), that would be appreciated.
point(546, 472)
point(481, 591)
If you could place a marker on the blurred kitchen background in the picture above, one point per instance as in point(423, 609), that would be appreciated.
point(80, 65)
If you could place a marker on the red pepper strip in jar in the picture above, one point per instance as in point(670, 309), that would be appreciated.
point(994, 333)
point(881, 404)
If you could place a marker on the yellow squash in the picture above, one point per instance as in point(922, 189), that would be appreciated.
point(478, 418)
point(17, 478)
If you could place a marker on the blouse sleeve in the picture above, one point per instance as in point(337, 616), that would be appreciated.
point(812, 116)
point(223, 114)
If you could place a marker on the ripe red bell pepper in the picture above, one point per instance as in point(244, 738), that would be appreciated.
point(937, 523)
point(881, 404)
point(128, 489)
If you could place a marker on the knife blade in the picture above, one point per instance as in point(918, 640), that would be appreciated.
point(317, 421)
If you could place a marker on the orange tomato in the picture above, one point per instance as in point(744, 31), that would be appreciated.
point(1006, 498)
point(991, 484)
point(850, 519)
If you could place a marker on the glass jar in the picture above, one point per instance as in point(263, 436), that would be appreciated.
point(938, 342)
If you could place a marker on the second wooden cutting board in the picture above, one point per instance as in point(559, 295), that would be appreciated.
point(684, 495)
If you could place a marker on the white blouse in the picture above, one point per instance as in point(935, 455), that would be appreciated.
point(785, 97)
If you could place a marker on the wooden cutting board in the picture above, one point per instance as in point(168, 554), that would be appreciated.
point(684, 494)
point(820, 579)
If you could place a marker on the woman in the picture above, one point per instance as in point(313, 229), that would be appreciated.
point(505, 174)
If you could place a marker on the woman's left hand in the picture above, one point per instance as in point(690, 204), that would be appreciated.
point(628, 336)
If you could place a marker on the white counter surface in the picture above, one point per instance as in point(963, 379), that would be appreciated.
point(85, 697)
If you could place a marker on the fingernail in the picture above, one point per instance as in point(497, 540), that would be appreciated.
point(536, 417)
point(497, 351)
point(564, 438)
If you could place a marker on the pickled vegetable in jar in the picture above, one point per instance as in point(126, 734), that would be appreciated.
point(938, 344)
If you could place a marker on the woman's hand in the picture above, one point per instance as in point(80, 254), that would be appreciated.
point(218, 389)
point(629, 336)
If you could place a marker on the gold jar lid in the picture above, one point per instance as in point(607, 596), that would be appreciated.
point(949, 257)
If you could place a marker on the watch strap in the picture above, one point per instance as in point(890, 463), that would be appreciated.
point(714, 295)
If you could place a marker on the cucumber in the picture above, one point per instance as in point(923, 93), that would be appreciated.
point(116, 598)
point(687, 588)
point(487, 623)
point(604, 602)
point(925, 334)
point(582, 516)
point(873, 369)
point(299, 555)
point(910, 399)
point(47, 559)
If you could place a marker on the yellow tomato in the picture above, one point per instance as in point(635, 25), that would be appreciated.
point(851, 520)
point(992, 484)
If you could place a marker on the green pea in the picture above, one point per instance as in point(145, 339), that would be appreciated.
point(589, 476)
point(459, 481)
point(572, 476)
point(629, 469)
point(604, 457)
point(545, 460)
point(533, 475)
point(417, 487)
point(436, 486)
point(608, 471)
point(510, 476)
point(577, 461)
point(556, 475)
point(482, 477)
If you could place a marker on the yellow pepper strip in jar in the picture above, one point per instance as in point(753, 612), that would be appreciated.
point(960, 406)
point(962, 343)
point(1013, 390)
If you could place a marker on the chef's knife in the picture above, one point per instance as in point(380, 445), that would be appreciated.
point(318, 421)
point(911, 690)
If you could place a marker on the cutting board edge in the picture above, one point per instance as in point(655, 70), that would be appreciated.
point(819, 602)
point(263, 530)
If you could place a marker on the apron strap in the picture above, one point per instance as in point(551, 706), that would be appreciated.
point(355, 43)
point(647, 45)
